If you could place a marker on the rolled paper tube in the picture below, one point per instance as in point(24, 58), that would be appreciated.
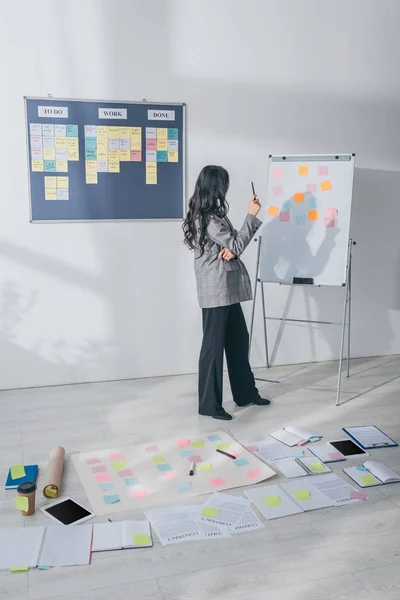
point(52, 484)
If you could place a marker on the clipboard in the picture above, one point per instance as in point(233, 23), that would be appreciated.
point(389, 443)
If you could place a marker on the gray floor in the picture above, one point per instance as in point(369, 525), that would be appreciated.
point(341, 553)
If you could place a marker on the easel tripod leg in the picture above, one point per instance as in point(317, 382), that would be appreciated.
point(253, 310)
point(349, 318)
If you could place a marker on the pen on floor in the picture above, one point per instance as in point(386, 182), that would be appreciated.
point(226, 454)
point(109, 520)
point(191, 472)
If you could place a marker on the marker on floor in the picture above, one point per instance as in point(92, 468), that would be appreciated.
point(192, 467)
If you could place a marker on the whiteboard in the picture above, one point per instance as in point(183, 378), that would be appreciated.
point(307, 221)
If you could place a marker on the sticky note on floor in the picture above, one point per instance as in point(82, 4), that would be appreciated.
point(368, 479)
point(297, 453)
point(298, 197)
point(141, 539)
point(325, 185)
point(203, 467)
point(355, 495)
point(112, 499)
point(197, 444)
point(302, 495)
point(183, 443)
point(273, 211)
point(119, 464)
point(17, 569)
point(17, 472)
point(223, 446)
point(157, 460)
point(302, 170)
point(209, 511)
point(213, 438)
point(21, 503)
point(317, 467)
point(272, 501)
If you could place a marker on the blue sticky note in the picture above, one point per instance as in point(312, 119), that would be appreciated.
point(90, 154)
point(213, 438)
point(111, 499)
point(287, 205)
point(184, 486)
point(301, 219)
point(72, 130)
point(43, 568)
point(297, 453)
point(90, 143)
point(172, 134)
point(186, 453)
point(361, 468)
point(106, 487)
point(312, 202)
point(162, 156)
point(164, 467)
point(314, 438)
point(50, 166)
point(240, 462)
point(132, 481)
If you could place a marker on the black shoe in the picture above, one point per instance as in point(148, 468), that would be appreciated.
point(258, 402)
point(221, 414)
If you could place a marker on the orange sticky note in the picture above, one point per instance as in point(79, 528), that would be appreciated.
point(273, 211)
point(313, 215)
point(325, 185)
point(298, 197)
point(303, 170)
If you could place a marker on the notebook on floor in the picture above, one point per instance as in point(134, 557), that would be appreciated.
point(119, 535)
point(372, 473)
point(295, 436)
point(30, 475)
point(300, 467)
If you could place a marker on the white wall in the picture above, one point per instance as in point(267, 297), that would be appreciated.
point(96, 301)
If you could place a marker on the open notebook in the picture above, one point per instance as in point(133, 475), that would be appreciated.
point(372, 473)
point(119, 535)
point(295, 436)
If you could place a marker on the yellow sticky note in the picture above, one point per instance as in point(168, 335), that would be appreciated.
point(197, 444)
point(298, 197)
point(113, 166)
point(60, 142)
point(302, 495)
point(141, 539)
point(102, 141)
point(50, 194)
point(50, 182)
point(325, 185)
point(49, 154)
point(203, 467)
point(17, 569)
point(125, 155)
point(72, 143)
point(172, 156)
point(73, 154)
point(113, 132)
point(162, 133)
point(91, 166)
point(317, 467)
point(62, 166)
point(272, 501)
point(158, 460)
point(303, 170)
point(21, 503)
point(17, 471)
point(62, 182)
point(136, 138)
point(223, 446)
point(101, 131)
point(273, 211)
point(313, 215)
point(209, 511)
point(102, 153)
point(119, 464)
point(125, 132)
point(151, 173)
point(113, 155)
point(91, 178)
point(368, 479)
point(162, 144)
point(37, 165)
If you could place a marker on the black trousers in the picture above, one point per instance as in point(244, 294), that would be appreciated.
point(224, 328)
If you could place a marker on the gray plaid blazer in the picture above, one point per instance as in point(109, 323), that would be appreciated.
point(222, 283)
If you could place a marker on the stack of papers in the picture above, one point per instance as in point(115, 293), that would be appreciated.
point(272, 451)
point(296, 436)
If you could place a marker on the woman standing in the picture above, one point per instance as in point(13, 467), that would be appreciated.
point(222, 284)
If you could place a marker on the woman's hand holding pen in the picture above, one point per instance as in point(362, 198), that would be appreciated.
point(254, 205)
point(226, 254)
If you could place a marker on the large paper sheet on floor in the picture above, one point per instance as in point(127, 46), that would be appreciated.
point(129, 477)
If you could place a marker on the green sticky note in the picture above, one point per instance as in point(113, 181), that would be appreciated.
point(209, 511)
point(16, 569)
point(197, 444)
point(273, 501)
point(157, 460)
point(223, 446)
point(302, 495)
point(368, 479)
point(142, 539)
point(17, 472)
point(317, 467)
point(22, 503)
point(119, 464)
point(205, 467)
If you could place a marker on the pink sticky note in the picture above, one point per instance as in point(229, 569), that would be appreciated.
point(195, 459)
point(183, 443)
point(302, 442)
point(254, 474)
point(233, 452)
point(251, 448)
point(332, 212)
point(169, 476)
point(322, 170)
point(329, 222)
point(125, 473)
point(277, 173)
point(152, 449)
point(136, 155)
point(218, 481)
point(335, 455)
point(117, 456)
point(311, 188)
point(151, 144)
point(358, 495)
point(138, 493)
point(92, 461)
point(99, 469)
point(102, 478)
point(277, 190)
point(284, 216)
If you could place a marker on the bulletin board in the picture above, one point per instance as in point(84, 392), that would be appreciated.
point(307, 222)
point(94, 161)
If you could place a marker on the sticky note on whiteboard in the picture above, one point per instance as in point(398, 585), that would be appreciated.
point(277, 173)
point(273, 211)
point(298, 197)
point(325, 185)
point(302, 170)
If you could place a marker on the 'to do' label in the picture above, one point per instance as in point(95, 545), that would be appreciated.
point(55, 112)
